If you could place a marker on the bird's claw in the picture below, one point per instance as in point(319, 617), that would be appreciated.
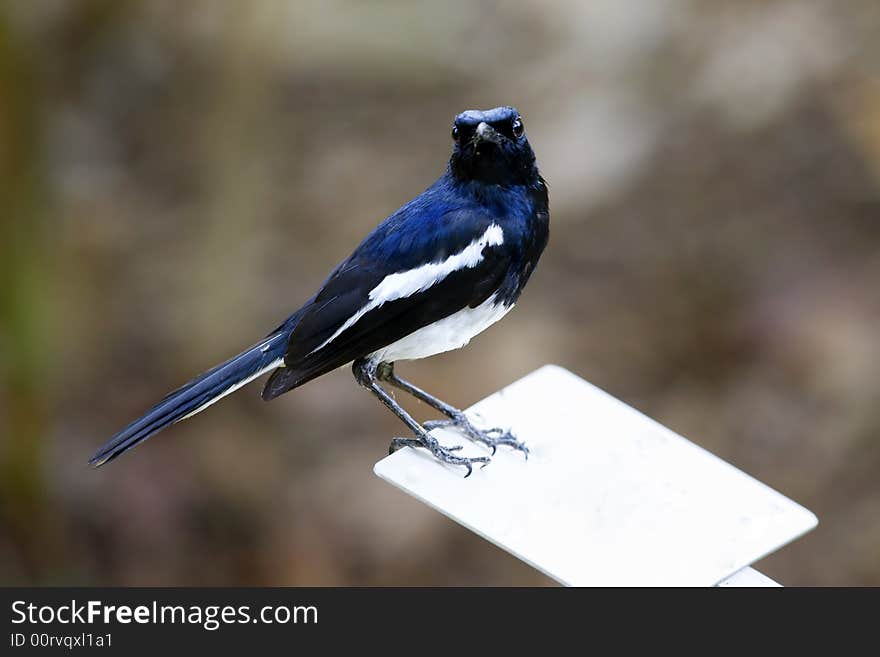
point(441, 453)
point(430, 425)
point(492, 438)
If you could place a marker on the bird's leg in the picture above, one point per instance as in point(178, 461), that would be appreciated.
point(457, 419)
point(365, 373)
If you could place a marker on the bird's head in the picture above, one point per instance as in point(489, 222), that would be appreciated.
point(491, 147)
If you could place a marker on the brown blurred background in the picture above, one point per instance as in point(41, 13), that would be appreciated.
point(175, 178)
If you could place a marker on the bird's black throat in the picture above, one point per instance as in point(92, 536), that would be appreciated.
point(494, 164)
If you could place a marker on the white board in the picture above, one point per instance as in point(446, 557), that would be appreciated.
point(608, 497)
point(748, 578)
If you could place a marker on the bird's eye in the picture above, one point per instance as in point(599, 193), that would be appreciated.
point(455, 133)
point(517, 128)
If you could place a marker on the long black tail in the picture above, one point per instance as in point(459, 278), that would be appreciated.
point(199, 393)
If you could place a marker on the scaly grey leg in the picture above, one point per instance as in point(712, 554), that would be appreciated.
point(365, 373)
point(457, 419)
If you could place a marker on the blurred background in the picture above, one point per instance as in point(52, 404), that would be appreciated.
point(175, 178)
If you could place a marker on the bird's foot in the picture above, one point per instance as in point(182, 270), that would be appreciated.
point(489, 437)
point(441, 453)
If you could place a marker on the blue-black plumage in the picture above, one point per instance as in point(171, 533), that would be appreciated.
point(435, 273)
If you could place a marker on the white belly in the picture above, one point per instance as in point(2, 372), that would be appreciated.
point(450, 333)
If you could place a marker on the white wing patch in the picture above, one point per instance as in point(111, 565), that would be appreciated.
point(406, 283)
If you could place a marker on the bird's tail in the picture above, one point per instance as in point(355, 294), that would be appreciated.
point(199, 393)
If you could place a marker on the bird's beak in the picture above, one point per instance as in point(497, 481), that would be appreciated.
point(487, 133)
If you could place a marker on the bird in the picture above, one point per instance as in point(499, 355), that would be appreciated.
point(435, 273)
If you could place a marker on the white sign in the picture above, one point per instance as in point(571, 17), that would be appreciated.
point(608, 497)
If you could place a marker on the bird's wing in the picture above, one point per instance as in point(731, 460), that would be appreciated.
point(406, 275)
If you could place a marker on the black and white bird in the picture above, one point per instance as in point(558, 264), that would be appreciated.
point(440, 270)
